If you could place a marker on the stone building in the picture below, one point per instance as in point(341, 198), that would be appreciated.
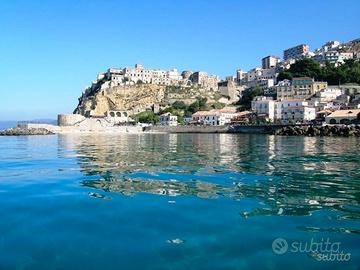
point(344, 117)
point(205, 80)
point(117, 117)
point(230, 90)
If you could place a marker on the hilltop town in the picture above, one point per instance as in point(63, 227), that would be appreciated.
point(302, 87)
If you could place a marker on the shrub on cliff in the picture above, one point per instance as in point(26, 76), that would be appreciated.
point(179, 105)
point(147, 117)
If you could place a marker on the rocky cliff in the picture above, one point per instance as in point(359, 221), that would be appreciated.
point(137, 98)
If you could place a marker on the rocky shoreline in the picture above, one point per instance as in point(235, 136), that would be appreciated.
point(17, 131)
point(332, 131)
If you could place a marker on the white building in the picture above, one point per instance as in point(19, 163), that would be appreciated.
point(214, 117)
point(333, 56)
point(328, 94)
point(281, 105)
point(138, 74)
point(298, 114)
point(264, 106)
point(228, 113)
point(241, 76)
point(167, 119)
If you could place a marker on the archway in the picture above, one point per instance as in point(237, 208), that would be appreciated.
point(345, 121)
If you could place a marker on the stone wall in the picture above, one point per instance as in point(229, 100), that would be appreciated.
point(188, 129)
point(69, 119)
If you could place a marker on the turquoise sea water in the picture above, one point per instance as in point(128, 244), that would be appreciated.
point(187, 201)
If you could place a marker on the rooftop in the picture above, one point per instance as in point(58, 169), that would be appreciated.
point(345, 113)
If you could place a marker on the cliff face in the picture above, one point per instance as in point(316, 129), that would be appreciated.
point(136, 98)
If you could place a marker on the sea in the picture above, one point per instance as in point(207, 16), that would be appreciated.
point(179, 201)
point(7, 124)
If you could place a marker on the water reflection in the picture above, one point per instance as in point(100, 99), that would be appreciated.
point(290, 175)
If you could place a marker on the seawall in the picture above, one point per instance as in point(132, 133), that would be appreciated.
point(260, 129)
point(187, 129)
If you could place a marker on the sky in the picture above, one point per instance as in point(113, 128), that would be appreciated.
point(51, 50)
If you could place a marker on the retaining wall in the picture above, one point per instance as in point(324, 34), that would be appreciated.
point(188, 129)
point(69, 119)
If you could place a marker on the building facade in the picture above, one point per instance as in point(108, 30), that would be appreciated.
point(264, 106)
point(296, 52)
point(298, 88)
point(214, 117)
point(297, 114)
point(344, 117)
point(205, 80)
point(167, 119)
point(270, 61)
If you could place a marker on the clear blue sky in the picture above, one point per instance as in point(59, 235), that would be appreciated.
point(50, 50)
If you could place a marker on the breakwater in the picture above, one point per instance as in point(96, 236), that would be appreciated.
point(249, 129)
point(19, 131)
point(284, 130)
point(343, 130)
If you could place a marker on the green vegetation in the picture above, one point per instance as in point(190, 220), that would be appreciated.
point(249, 95)
point(139, 82)
point(125, 79)
point(217, 96)
point(147, 117)
point(349, 72)
point(198, 105)
point(180, 109)
point(179, 105)
point(217, 105)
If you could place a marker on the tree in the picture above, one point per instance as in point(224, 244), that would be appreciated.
point(179, 105)
point(256, 91)
point(285, 75)
point(217, 105)
point(148, 117)
point(249, 95)
point(202, 102)
point(139, 82)
point(194, 107)
point(348, 72)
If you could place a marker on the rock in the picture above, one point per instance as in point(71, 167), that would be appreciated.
point(176, 241)
point(136, 98)
point(344, 131)
point(25, 131)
